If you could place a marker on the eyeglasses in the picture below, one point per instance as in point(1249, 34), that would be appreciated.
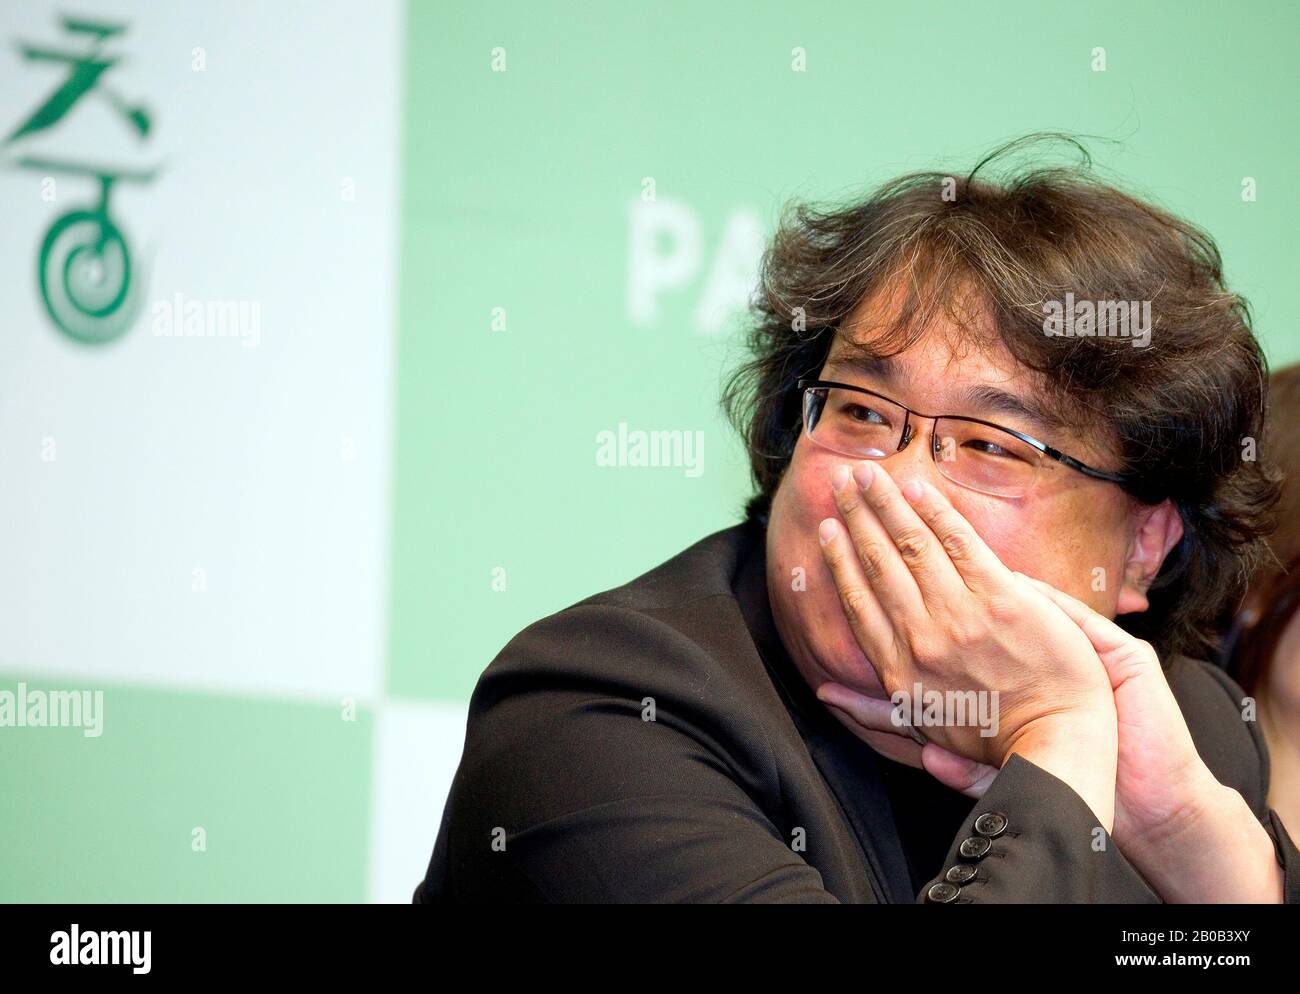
point(980, 455)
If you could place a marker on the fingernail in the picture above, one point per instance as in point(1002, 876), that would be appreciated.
point(912, 490)
point(826, 531)
point(840, 477)
point(864, 473)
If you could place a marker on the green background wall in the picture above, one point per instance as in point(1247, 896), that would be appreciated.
point(516, 186)
point(513, 200)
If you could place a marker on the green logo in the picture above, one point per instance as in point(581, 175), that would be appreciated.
point(84, 270)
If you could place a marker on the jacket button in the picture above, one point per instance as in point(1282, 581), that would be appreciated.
point(962, 873)
point(976, 847)
point(942, 893)
point(991, 824)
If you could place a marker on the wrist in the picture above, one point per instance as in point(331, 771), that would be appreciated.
point(1214, 850)
point(1083, 754)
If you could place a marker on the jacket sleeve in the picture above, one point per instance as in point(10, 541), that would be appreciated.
point(1051, 848)
point(1032, 840)
point(589, 783)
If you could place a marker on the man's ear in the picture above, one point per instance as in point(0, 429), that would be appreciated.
point(1158, 530)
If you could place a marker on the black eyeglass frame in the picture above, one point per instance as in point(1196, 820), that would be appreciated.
point(1129, 482)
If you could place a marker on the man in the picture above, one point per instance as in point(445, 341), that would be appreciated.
point(996, 435)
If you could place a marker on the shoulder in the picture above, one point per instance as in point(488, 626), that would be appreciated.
point(670, 648)
point(629, 720)
point(1225, 731)
point(661, 630)
point(665, 629)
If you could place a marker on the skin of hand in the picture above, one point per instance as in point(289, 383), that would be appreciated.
point(1170, 811)
point(930, 604)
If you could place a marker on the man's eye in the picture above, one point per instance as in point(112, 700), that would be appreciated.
point(987, 448)
point(864, 414)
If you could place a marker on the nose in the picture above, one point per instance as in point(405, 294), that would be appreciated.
point(915, 460)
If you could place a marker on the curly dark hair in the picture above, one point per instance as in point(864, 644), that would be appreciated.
point(1182, 414)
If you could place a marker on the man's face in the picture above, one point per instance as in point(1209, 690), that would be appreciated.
point(1072, 531)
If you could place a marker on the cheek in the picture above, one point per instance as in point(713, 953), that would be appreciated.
point(808, 614)
point(804, 500)
point(1004, 529)
point(1055, 541)
point(810, 491)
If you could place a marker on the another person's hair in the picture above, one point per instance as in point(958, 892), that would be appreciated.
point(1273, 598)
point(1179, 413)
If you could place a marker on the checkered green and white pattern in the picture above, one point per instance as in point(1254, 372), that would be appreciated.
point(471, 241)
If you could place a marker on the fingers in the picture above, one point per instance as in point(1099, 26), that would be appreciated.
point(884, 563)
point(966, 776)
point(870, 712)
point(971, 559)
point(872, 629)
point(919, 547)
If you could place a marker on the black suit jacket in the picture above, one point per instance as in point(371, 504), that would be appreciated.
point(743, 787)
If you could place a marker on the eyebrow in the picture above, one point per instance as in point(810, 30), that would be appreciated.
point(983, 398)
point(879, 367)
point(991, 399)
